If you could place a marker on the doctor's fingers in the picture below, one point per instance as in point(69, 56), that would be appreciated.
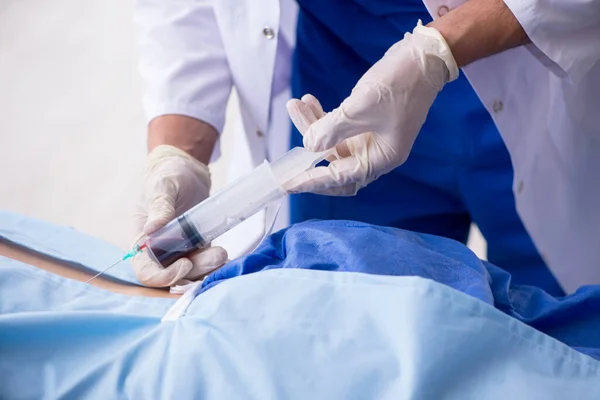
point(301, 114)
point(314, 104)
point(205, 261)
point(356, 115)
point(151, 274)
point(305, 111)
point(343, 177)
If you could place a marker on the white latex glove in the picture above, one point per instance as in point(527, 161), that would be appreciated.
point(174, 182)
point(375, 127)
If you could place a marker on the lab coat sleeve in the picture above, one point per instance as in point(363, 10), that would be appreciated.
point(565, 31)
point(182, 60)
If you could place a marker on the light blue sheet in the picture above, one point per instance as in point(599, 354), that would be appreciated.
point(276, 334)
point(66, 244)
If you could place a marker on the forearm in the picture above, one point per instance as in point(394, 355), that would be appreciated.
point(191, 135)
point(186, 74)
point(480, 28)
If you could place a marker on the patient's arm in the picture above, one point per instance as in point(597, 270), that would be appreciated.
point(71, 271)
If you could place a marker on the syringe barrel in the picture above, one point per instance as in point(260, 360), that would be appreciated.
point(214, 216)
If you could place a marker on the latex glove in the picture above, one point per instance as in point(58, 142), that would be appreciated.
point(174, 182)
point(375, 127)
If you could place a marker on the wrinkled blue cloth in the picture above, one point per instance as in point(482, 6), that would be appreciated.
point(260, 331)
point(359, 247)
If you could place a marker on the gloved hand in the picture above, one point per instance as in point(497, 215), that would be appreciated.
point(174, 182)
point(375, 127)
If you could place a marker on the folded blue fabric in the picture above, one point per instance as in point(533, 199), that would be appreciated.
point(360, 247)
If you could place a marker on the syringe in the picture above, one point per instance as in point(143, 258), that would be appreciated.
point(227, 208)
point(230, 206)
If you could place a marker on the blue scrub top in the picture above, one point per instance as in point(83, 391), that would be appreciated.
point(459, 169)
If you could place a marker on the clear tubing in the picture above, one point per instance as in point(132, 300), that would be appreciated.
point(226, 209)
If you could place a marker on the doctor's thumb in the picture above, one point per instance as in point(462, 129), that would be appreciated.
point(160, 212)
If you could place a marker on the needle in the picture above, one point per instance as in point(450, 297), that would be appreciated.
point(137, 248)
point(101, 272)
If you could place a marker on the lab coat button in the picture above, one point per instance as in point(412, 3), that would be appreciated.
point(259, 133)
point(443, 10)
point(268, 32)
point(520, 187)
point(497, 106)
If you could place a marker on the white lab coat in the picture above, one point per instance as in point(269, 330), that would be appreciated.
point(544, 98)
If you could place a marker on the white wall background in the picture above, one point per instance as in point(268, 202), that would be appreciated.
point(72, 131)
